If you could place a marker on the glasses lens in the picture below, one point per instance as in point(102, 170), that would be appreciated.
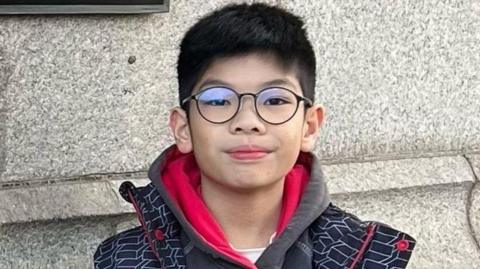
point(276, 105)
point(217, 104)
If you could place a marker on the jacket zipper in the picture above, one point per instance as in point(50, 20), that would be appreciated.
point(363, 248)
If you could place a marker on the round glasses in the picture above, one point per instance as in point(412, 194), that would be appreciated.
point(275, 105)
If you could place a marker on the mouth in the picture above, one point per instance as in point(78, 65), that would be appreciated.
point(248, 152)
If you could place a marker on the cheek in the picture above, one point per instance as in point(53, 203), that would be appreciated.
point(202, 141)
point(203, 150)
point(290, 139)
point(205, 141)
point(199, 129)
point(292, 134)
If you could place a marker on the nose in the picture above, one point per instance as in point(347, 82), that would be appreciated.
point(247, 120)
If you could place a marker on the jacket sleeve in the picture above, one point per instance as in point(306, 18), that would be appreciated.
point(385, 248)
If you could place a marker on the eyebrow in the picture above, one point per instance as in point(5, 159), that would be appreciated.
point(218, 82)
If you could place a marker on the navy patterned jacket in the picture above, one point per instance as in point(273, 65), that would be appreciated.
point(319, 235)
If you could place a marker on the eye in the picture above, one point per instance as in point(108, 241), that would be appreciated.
point(217, 97)
point(275, 101)
point(215, 102)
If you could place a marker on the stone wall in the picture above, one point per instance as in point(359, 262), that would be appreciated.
point(400, 82)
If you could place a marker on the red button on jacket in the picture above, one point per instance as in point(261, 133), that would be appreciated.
point(402, 245)
point(159, 235)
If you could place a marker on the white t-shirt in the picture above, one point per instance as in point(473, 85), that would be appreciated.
point(253, 253)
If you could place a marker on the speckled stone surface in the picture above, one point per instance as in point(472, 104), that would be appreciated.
point(475, 213)
point(61, 201)
point(475, 163)
point(382, 175)
point(434, 216)
point(396, 77)
point(66, 244)
point(475, 199)
point(4, 73)
point(105, 116)
point(127, 222)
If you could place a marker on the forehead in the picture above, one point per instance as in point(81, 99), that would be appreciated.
point(248, 73)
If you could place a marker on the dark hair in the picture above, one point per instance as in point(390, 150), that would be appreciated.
point(241, 29)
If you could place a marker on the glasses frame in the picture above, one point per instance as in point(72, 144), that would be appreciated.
point(307, 102)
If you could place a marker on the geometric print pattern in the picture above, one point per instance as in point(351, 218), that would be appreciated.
point(126, 250)
point(337, 239)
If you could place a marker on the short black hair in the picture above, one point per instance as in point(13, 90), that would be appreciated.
point(239, 29)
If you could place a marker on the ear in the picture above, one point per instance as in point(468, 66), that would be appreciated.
point(313, 120)
point(178, 123)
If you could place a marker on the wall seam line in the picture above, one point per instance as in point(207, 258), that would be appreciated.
point(87, 178)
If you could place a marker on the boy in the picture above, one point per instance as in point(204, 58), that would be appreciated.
point(239, 189)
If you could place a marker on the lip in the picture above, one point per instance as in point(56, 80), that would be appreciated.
point(248, 152)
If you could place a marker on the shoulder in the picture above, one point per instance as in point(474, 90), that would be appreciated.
point(342, 238)
point(128, 248)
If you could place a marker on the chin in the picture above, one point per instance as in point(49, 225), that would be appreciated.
point(250, 185)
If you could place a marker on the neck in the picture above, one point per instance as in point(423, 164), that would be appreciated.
point(248, 217)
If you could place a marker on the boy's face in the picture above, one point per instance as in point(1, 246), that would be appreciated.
point(219, 149)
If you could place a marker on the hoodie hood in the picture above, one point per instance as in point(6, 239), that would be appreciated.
point(176, 178)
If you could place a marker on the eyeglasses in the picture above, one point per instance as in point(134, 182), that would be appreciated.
point(275, 105)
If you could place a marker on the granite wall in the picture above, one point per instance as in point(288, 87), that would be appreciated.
point(84, 103)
